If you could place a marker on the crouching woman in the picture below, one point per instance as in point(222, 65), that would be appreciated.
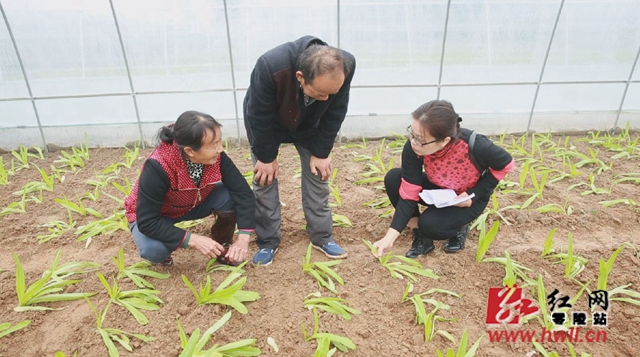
point(438, 144)
point(189, 176)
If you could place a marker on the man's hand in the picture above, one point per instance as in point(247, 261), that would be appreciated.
point(321, 166)
point(466, 203)
point(238, 251)
point(207, 246)
point(265, 173)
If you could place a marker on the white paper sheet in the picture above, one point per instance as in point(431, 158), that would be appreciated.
point(443, 197)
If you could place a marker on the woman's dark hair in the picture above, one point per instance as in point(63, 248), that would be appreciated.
point(317, 60)
point(440, 119)
point(189, 130)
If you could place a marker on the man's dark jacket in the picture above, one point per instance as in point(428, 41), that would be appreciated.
point(274, 110)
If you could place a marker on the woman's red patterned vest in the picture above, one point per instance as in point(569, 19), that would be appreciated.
point(183, 195)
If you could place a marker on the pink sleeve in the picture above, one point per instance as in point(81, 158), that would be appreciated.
point(409, 191)
point(500, 174)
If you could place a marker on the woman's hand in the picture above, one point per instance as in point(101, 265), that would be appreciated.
point(237, 252)
point(466, 203)
point(384, 245)
point(207, 246)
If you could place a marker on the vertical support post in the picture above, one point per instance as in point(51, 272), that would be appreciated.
point(444, 42)
point(626, 87)
point(26, 78)
point(233, 75)
point(126, 64)
point(338, 29)
point(544, 64)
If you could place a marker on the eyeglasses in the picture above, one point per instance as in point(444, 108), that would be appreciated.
point(417, 140)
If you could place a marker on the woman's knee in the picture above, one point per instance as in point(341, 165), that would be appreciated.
point(154, 253)
point(222, 199)
point(392, 179)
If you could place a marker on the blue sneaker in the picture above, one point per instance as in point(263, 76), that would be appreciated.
point(332, 250)
point(264, 256)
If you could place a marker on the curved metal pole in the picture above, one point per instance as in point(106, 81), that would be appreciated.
point(626, 87)
point(544, 64)
point(233, 75)
point(26, 78)
point(444, 42)
point(126, 64)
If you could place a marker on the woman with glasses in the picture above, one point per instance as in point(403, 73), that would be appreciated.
point(438, 144)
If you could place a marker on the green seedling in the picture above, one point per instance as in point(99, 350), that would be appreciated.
point(33, 186)
point(626, 201)
point(113, 168)
point(334, 190)
point(397, 145)
point(78, 208)
point(109, 225)
point(592, 187)
point(111, 335)
point(485, 240)
point(47, 179)
point(58, 173)
point(194, 345)
point(333, 305)
point(226, 293)
point(133, 300)
point(6, 327)
point(548, 243)
point(340, 220)
point(48, 287)
point(380, 202)
point(137, 271)
point(61, 354)
point(462, 348)
point(126, 189)
point(248, 176)
point(324, 348)
point(556, 208)
point(603, 277)
point(189, 224)
point(406, 267)
point(15, 207)
point(375, 172)
point(356, 145)
point(4, 174)
point(481, 222)
point(55, 228)
point(73, 161)
point(511, 265)
point(544, 352)
point(574, 264)
point(428, 320)
point(342, 343)
point(131, 155)
point(632, 177)
point(322, 272)
point(23, 154)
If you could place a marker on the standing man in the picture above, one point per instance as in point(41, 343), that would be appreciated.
point(299, 93)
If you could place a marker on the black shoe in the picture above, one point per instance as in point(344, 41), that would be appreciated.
point(456, 243)
point(420, 245)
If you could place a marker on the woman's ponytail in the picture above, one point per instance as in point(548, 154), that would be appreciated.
point(166, 134)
